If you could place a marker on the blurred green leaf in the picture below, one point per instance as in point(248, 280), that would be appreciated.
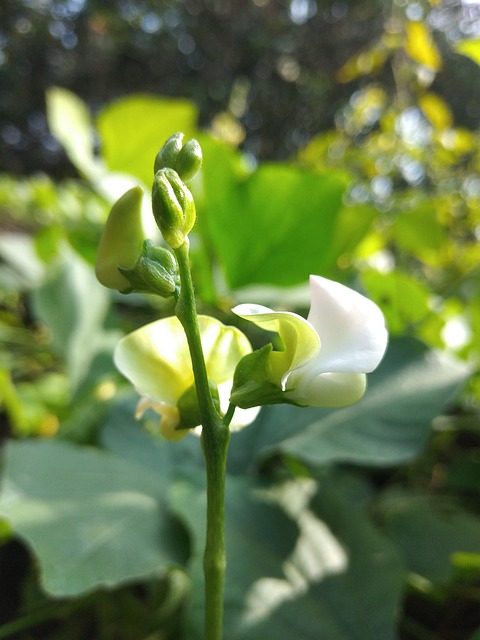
point(403, 300)
point(70, 122)
point(132, 131)
point(73, 306)
point(92, 519)
point(463, 473)
point(259, 537)
point(353, 224)
point(470, 48)
point(389, 426)
point(21, 268)
point(420, 233)
point(466, 564)
point(428, 531)
point(334, 577)
point(272, 226)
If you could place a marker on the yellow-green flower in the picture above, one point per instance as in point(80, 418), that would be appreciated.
point(156, 360)
point(324, 358)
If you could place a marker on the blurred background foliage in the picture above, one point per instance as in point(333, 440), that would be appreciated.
point(340, 138)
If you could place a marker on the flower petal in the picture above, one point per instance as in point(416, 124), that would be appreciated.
point(325, 389)
point(223, 348)
point(300, 340)
point(351, 328)
point(156, 358)
point(169, 415)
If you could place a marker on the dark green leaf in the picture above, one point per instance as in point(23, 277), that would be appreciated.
point(428, 532)
point(389, 426)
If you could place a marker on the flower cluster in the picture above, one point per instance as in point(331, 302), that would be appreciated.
point(323, 360)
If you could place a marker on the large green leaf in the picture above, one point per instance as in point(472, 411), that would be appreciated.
point(334, 577)
point(389, 426)
point(428, 532)
point(92, 519)
point(272, 226)
point(133, 129)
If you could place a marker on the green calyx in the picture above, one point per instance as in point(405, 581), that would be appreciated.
point(252, 385)
point(155, 271)
point(173, 207)
point(185, 159)
point(188, 408)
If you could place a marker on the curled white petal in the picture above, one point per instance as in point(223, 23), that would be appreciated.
point(325, 358)
point(351, 328)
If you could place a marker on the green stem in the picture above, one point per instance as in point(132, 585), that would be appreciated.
point(215, 439)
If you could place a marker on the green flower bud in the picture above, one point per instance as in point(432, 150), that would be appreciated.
point(160, 255)
point(189, 160)
point(186, 159)
point(154, 272)
point(173, 207)
point(166, 157)
point(121, 241)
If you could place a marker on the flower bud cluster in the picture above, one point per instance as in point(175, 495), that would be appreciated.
point(185, 159)
point(173, 207)
point(172, 202)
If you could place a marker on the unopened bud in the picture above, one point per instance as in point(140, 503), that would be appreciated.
point(122, 239)
point(185, 159)
point(189, 160)
point(173, 207)
point(154, 272)
point(166, 157)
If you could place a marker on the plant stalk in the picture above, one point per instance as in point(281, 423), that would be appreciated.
point(215, 439)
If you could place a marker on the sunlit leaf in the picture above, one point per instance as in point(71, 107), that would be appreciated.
point(421, 47)
point(353, 224)
point(274, 226)
point(436, 110)
point(420, 233)
point(470, 48)
point(132, 131)
point(403, 300)
point(367, 62)
point(70, 122)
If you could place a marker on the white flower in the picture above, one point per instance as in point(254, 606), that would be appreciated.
point(324, 358)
